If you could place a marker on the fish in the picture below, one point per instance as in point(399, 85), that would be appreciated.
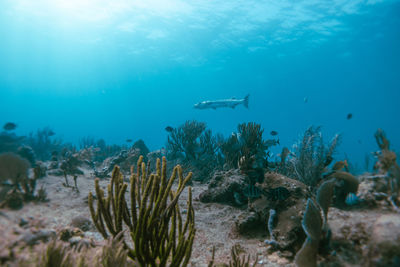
point(271, 142)
point(9, 126)
point(252, 192)
point(51, 133)
point(305, 99)
point(223, 103)
point(351, 199)
point(129, 140)
point(349, 116)
point(169, 129)
point(273, 133)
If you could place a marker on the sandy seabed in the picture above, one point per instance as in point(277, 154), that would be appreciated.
point(214, 224)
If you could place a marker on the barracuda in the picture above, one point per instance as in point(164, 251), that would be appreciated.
point(223, 103)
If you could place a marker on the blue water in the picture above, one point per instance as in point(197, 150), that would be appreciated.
point(126, 69)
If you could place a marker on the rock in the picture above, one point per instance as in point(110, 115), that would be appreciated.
point(223, 186)
point(385, 241)
point(44, 235)
point(141, 146)
point(67, 233)
point(125, 159)
point(94, 235)
point(247, 223)
point(373, 190)
point(81, 222)
point(288, 198)
point(22, 222)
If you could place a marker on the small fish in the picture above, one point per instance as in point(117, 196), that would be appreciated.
point(51, 133)
point(271, 142)
point(169, 129)
point(9, 126)
point(351, 199)
point(273, 133)
point(129, 140)
point(349, 116)
point(305, 99)
point(252, 192)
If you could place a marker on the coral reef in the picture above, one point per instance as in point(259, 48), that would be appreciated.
point(153, 222)
point(278, 207)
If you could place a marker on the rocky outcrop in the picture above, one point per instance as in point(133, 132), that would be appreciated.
point(225, 187)
point(285, 200)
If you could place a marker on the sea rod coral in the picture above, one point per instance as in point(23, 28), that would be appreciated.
point(158, 233)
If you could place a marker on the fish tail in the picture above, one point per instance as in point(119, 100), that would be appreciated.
point(246, 101)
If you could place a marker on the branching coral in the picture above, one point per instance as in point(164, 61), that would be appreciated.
point(158, 233)
point(246, 149)
point(69, 166)
point(196, 147)
point(252, 148)
point(312, 156)
point(230, 149)
point(184, 140)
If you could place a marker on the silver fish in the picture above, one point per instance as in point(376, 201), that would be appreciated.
point(223, 103)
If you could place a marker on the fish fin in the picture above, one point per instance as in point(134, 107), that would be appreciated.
point(246, 101)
